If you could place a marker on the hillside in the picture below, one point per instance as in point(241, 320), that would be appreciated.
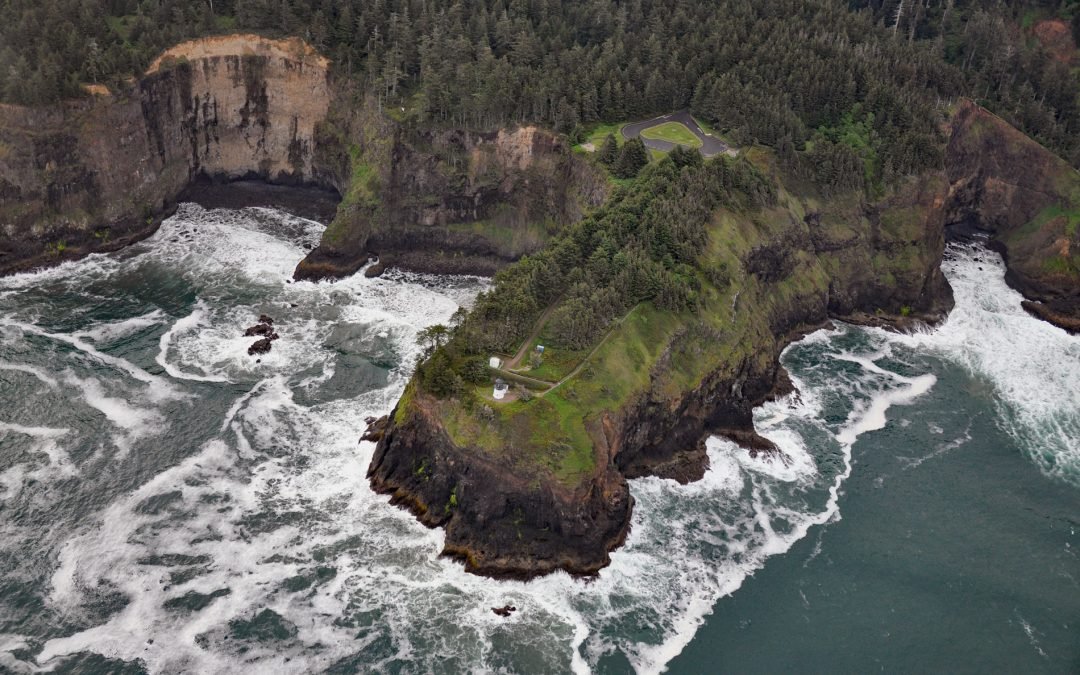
point(663, 295)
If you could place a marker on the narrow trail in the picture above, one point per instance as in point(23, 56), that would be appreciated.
point(533, 336)
point(581, 364)
point(549, 386)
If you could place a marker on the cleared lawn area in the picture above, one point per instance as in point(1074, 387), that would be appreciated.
point(673, 132)
point(555, 364)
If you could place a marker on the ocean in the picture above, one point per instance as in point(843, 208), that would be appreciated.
point(170, 504)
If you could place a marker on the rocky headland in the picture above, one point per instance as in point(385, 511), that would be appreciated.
point(542, 487)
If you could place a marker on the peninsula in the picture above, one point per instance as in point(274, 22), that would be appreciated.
point(641, 296)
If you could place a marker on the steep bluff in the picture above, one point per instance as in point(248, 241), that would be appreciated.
point(1027, 200)
point(448, 201)
point(507, 512)
point(95, 174)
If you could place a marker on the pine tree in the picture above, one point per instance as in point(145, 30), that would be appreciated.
point(632, 158)
point(609, 150)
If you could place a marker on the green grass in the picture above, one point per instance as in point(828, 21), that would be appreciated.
point(598, 133)
point(1071, 218)
point(362, 195)
point(556, 363)
point(673, 132)
point(706, 127)
point(510, 239)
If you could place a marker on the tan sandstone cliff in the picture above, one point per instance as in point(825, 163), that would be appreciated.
point(97, 173)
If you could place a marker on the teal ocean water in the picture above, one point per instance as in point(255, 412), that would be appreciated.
point(169, 504)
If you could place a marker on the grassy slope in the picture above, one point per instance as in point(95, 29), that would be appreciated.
point(551, 434)
point(673, 132)
point(667, 354)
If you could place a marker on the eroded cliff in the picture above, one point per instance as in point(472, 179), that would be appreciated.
point(1027, 200)
point(95, 174)
point(448, 201)
point(531, 486)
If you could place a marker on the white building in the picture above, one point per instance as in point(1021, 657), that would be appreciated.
point(501, 388)
point(495, 362)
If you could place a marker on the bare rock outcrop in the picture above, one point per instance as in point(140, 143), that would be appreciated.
point(1027, 200)
point(98, 173)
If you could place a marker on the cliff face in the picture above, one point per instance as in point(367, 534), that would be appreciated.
point(1028, 200)
point(95, 174)
point(500, 522)
point(507, 512)
point(450, 201)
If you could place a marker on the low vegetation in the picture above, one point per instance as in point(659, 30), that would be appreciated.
point(673, 132)
point(621, 283)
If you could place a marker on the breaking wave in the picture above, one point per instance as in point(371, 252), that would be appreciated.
point(235, 531)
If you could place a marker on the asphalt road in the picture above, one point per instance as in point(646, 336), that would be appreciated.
point(710, 145)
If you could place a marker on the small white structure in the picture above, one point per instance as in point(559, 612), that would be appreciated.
point(501, 388)
point(495, 362)
point(539, 349)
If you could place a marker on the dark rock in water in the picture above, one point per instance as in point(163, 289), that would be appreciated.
point(265, 328)
point(504, 611)
point(259, 329)
point(375, 429)
point(260, 346)
point(1063, 313)
point(375, 270)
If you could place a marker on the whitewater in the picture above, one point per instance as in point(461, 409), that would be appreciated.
point(170, 503)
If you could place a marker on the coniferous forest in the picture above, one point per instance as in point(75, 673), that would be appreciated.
point(854, 84)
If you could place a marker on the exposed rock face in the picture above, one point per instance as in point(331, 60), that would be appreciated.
point(1027, 199)
point(451, 201)
point(505, 519)
point(498, 522)
point(95, 174)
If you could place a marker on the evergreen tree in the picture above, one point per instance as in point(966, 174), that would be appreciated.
point(632, 157)
point(609, 150)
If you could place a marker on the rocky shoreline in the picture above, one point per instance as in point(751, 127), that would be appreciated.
point(101, 174)
point(504, 520)
point(502, 524)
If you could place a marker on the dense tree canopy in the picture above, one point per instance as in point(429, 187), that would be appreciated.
point(644, 244)
point(779, 72)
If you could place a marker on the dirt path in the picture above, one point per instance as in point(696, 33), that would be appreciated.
point(533, 337)
point(711, 146)
point(581, 364)
point(548, 386)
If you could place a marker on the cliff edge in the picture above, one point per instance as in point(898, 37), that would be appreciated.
point(447, 201)
point(96, 174)
point(1027, 200)
point(537, 482)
